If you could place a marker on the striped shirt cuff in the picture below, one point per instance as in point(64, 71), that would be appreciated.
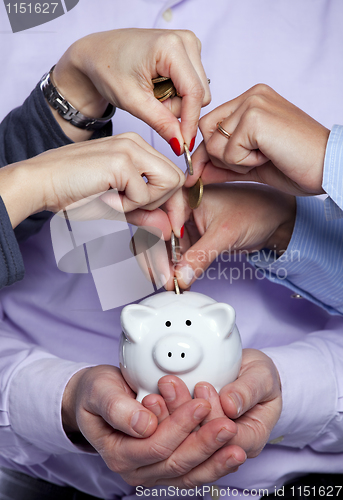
point(333, 174)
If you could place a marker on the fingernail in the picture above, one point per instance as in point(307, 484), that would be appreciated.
point(236, 398)
point(200, 412)
point(167, 391)
point(140, 422)
point(186, 274)
point(202, 392)
point(175, 145)
point(155, 409)
point(182, 230)
point(191, 144)
point(223, 435)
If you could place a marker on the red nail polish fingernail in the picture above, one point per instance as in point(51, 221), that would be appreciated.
point(191, 145)
point(182, 230)
point(175, 145)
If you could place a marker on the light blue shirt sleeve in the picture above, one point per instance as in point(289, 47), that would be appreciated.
point(333, 174)
point(312, 265)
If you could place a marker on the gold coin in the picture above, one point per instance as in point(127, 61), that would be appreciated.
point(177, 288)
point(195, 194)
point(175, 248)
point(162, 88)
point(160, 79)
point(170, 95)
point(188, 159)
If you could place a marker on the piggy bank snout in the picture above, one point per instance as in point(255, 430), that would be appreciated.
point(177, 353)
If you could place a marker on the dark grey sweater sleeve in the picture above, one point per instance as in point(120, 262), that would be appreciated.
point(26, 132)
point(11, 262)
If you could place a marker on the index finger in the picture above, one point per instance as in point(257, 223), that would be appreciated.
point(184, 67)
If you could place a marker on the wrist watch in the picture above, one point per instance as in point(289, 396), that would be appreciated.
point(67, 110)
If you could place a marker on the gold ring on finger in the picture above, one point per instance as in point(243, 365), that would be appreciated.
point(223, 131)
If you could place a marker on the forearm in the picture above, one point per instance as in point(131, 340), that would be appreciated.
point(33, 382)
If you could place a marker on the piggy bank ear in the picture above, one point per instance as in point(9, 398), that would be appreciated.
point(135, 321)
point(220, 317)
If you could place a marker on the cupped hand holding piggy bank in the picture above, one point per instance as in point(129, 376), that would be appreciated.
point(189, 335)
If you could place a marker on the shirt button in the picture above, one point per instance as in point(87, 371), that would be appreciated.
point(167, 15)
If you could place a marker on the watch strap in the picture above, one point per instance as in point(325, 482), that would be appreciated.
point(67, 110)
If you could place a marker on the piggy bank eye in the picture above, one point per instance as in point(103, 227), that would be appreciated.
point(168, 323)
point(188, 322)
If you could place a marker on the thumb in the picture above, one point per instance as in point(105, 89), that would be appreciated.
point(257, 383)
point(122, 412)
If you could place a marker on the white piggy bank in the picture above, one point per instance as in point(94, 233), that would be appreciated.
point(189, 335)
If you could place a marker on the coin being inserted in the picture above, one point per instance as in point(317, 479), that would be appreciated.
point(176, 285)
point(195, 194)
point(188, 159)
point(175, 249)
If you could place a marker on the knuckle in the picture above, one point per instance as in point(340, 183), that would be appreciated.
point(262, 88)
point(206, 125)
point(132, 136)
point(173, 40)
point(255, 102)
point(188, 35)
